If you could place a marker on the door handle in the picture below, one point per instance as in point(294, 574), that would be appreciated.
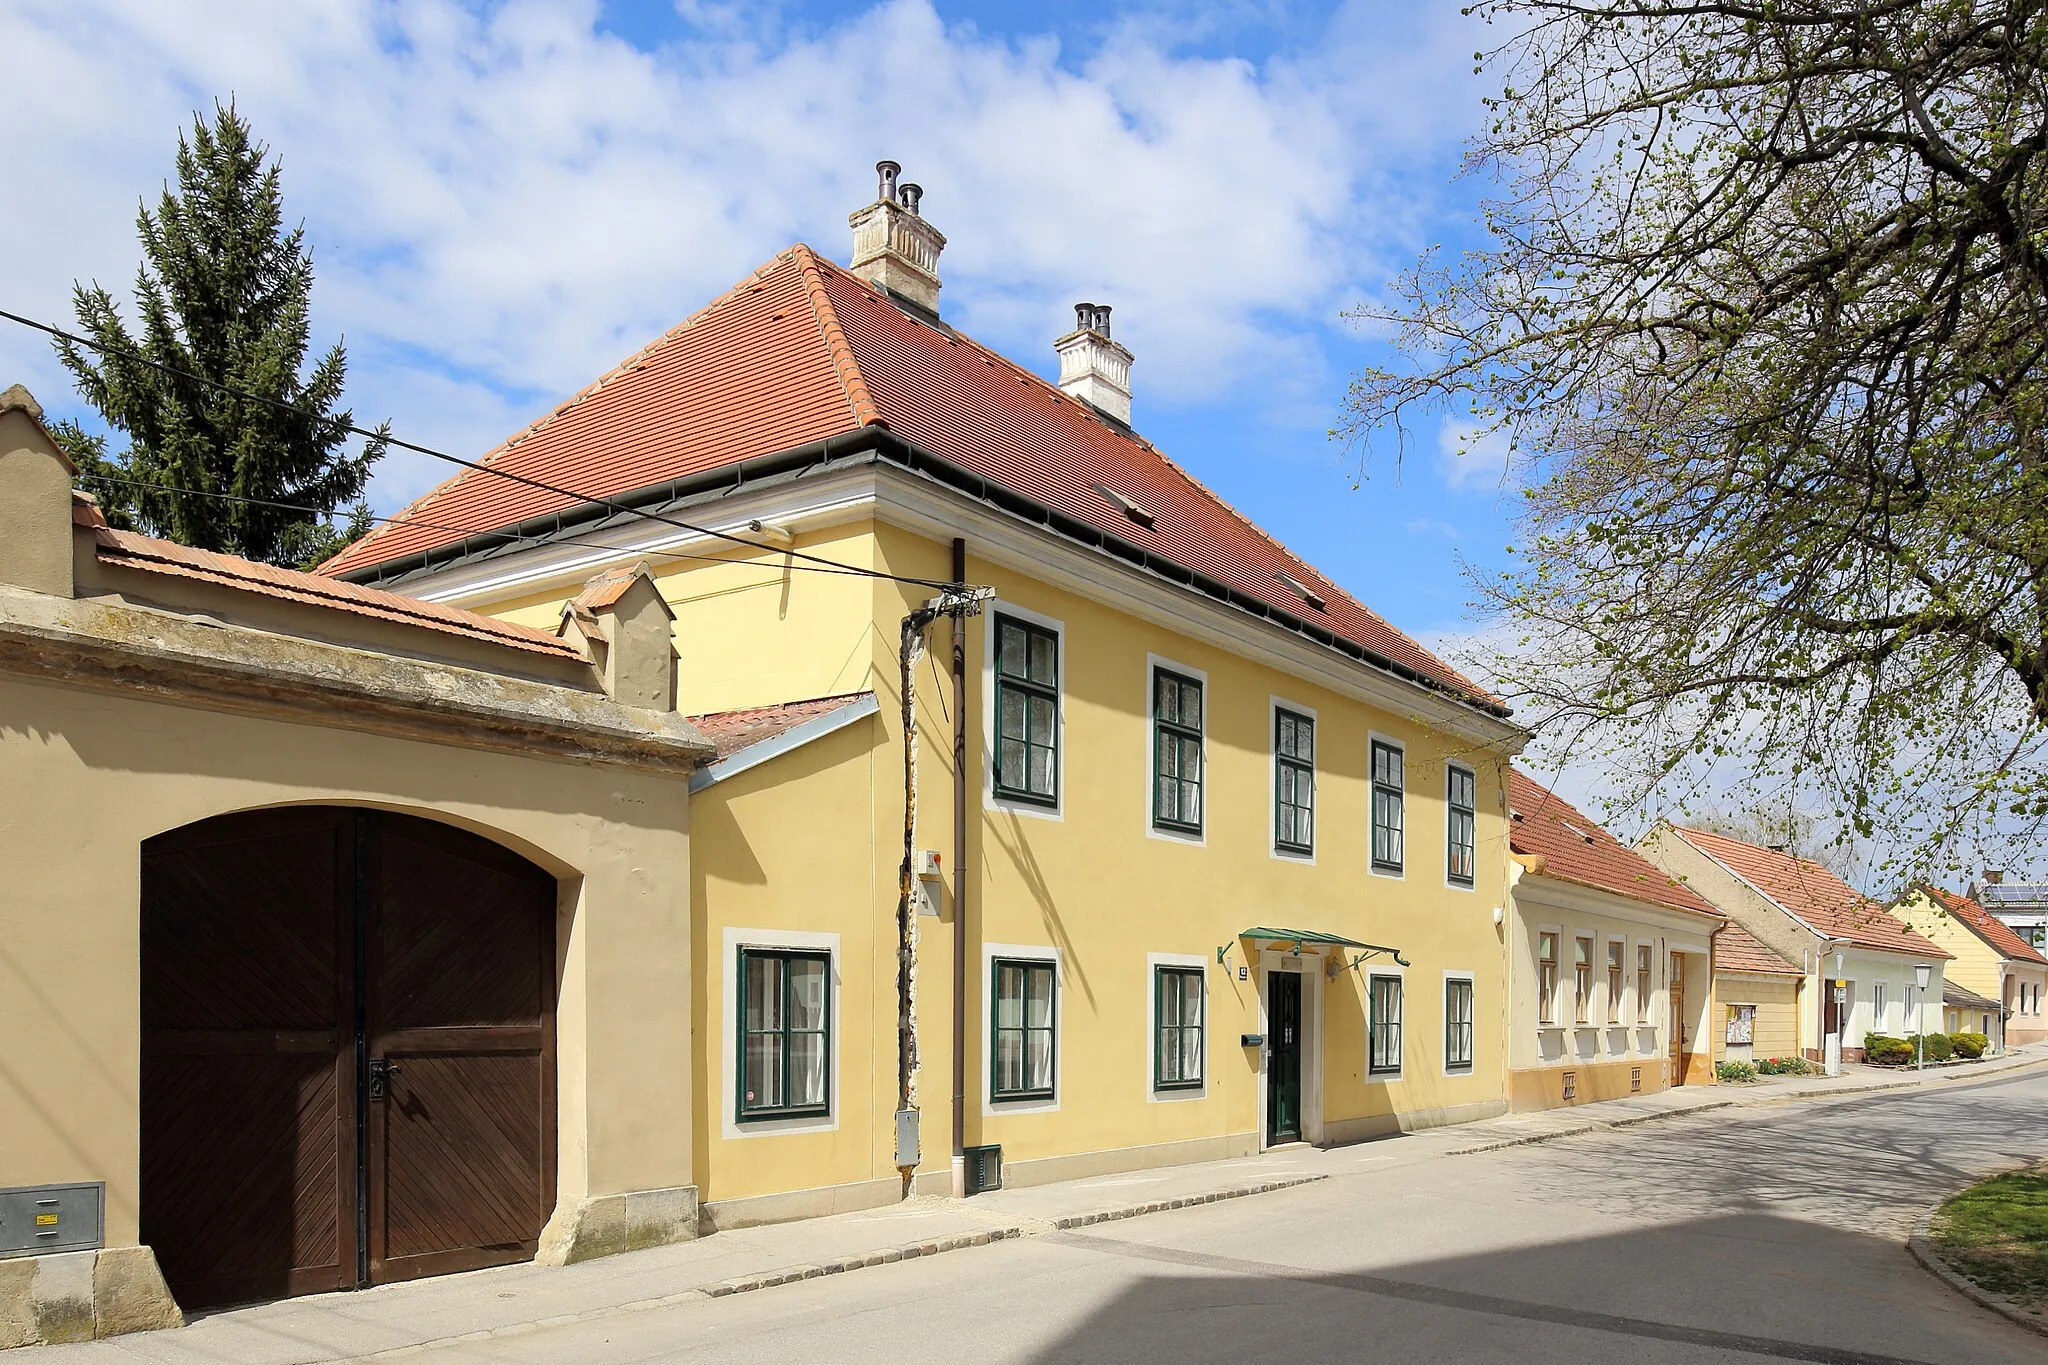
point(382, 1069)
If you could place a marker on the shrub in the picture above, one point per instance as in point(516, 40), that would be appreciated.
point(1937, 1045)
point(1969, 1046)
point(1786, 1066)
point(1880, 1050)
point(1734, 1071)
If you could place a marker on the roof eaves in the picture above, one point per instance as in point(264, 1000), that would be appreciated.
point(795, 737)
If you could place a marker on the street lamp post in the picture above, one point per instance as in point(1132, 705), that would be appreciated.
point(1921, 971)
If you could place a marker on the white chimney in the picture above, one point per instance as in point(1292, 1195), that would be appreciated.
point(1093, 368)
point(894, 248)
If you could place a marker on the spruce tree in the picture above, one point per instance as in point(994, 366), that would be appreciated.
point(222, 294)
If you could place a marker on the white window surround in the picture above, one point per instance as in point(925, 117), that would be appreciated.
point(1373, 737)
point(1473, 773)
point(1444, 1003)
point(774, 940)
point(1647, 1025)
point(1556, 1024)
point(1274, 706)
point(989, 799)
point(1029, 952)
point(1366, 973)
point(1153, 663)
point(1618, 1007)
point(1153, 962)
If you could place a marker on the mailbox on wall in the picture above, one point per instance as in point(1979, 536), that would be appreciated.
point(42, 1218)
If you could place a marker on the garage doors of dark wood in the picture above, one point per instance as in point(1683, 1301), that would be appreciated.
point(347, 1071)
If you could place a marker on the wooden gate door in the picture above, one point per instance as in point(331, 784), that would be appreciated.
point(1675, 993)
point(248, 1060)
point(347, 1053)
point(459, 1009)
point(1283, 1057)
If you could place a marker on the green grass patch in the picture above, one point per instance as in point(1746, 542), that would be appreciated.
point(1996, 1234)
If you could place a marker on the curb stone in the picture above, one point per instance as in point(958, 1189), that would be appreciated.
point(839, 1265)
point(1924, 1251)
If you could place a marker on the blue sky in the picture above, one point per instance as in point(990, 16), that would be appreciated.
point(504, 199)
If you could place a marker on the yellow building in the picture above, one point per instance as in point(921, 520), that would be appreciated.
point(341, 936)
point(2004, 975)
point(1205, 856)
point(1610, 963)
point(1756, 996)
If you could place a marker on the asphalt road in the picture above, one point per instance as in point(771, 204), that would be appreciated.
point(1774, 1233)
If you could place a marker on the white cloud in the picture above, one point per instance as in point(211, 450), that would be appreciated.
point(1430, 526)
point(1471, 458)
point(503, 201)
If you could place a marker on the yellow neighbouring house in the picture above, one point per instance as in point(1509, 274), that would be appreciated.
point(2000, 975)
point(1205, 856)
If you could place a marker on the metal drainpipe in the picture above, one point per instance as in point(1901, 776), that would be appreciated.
point(960, 880)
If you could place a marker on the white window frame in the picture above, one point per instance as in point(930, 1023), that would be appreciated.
point(1369, 971)
point(1153, 962)
point(1618, 1007)
point(1469, 978)
point(1556, 1021)
point(1027, 952)
point(1880, 1008)
point(1274, 706)
point(1153, 663)
point(990, 798)
point(1372, 868)
point(1450, 765)
point(776, 940)
point(1646, 1011)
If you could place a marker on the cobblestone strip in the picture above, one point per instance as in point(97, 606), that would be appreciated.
point(839, 1265)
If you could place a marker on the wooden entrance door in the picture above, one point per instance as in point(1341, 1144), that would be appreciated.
point(1283, 1057)
point(277, 948)
point(1675, 993)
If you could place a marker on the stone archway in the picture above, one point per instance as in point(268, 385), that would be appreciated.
point(348, 1052)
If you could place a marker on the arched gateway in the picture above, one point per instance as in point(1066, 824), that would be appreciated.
point(347, 1052)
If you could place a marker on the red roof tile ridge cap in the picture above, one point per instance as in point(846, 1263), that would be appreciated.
point(851, 380)
point(541, 423)
point(134, 545)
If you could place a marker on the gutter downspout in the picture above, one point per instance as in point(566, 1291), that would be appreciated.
point(956, 604)
point(960, 881)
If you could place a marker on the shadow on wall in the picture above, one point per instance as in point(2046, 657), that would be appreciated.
point(1784, 1240)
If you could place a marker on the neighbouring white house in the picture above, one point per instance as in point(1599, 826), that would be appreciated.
point(1858, 960)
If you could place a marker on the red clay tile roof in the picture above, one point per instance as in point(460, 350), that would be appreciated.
point(1985, 925)
point(732, 731)
point(131, 551)
point(1813, 893)
point(1575, 849)
point(1738, 950)
point(803, 350)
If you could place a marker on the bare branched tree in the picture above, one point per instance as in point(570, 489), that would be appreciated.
point(1764, 315)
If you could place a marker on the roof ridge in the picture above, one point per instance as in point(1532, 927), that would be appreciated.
point(634, 361)
point(834, 336)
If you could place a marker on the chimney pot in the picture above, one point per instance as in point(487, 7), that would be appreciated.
point(1092, 367)
point(894, 248)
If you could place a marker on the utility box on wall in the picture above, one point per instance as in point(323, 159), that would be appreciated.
point(35, 1219)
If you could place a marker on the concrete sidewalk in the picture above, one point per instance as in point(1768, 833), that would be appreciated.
point(394, 1321)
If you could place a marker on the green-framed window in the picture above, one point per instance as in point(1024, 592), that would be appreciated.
point(1461, 798)
point(1177, 1009)
point(1176, 752)
point(785, 1034)
point(1388, 818)
point(1457, 1024)
point(1027, 712)
point(1294, 781)
point(1023, 1047)
point(1384, 1025)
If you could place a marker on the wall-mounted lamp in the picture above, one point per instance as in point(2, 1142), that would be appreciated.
point(1499, 916)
